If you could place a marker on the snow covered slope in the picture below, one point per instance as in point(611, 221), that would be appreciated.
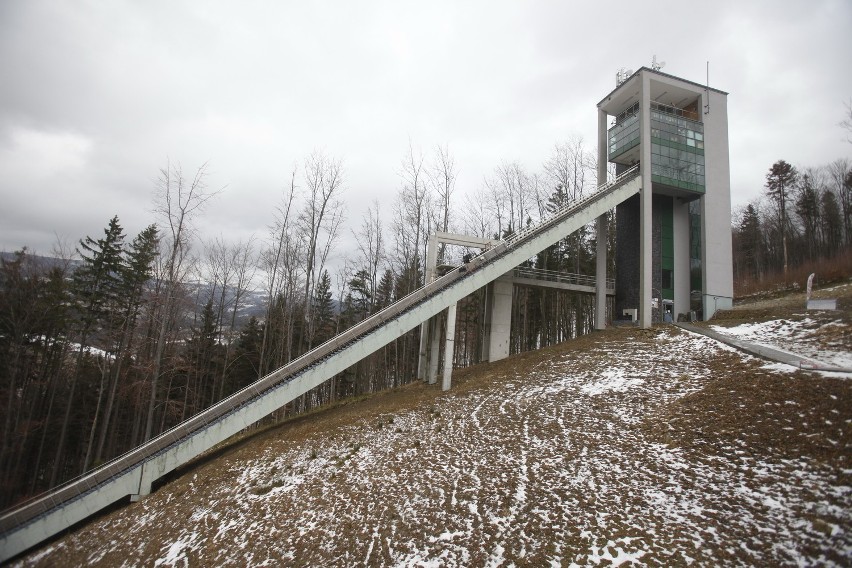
point(657, 446)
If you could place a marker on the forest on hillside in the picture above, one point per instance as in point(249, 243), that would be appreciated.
point(802, 221)
point(107, 346)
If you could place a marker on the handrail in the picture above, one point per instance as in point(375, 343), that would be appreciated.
point(556, 276)
point(568, 208)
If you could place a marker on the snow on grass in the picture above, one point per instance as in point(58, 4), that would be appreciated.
point(611, 380)
point(176, 552)
point(804, 337)
point(556, 468)
point(835, 288)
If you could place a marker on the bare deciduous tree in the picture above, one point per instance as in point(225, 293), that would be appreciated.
point(478, 213)
point(230, 268)
point(320, 220)
point(177, 201)
point(510, 190)
point(371, 247)
point(840, 171)
point(411, 213)
point(443, 176)
point(279, 262)
point(570, 168)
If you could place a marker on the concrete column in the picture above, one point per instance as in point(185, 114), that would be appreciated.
point(449, 348)
point(431, 259)
point(501, 318)
point(421, 358)
point(600, 274)
point(603, 149)
point(435, 337)
point(486, 323)
point(681, 257)
point(600, 268)
point(431, 262)
point(645, 201)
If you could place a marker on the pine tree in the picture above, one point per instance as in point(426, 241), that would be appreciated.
point(246, 361)
point(361, 299)
point(808, 210)
point(384, 292)
point(95, 286)
point(136, 271)
point(751, 239)
point(33, 319)
point(202, 358)
point(779, 181)
point(832, 224)
point(323, 310)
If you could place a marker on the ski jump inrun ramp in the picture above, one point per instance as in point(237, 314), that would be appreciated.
point(133, 473)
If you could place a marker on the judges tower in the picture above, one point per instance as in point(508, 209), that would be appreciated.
point(673, 240)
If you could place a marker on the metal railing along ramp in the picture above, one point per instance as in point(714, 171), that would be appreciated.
point(133, 473)
point(566, 281)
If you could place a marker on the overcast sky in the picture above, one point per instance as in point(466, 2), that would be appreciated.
point(96, 96)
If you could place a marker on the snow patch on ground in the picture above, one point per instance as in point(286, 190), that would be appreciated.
point(794, 336)
point(611, 380)
point(555, 468)
point(176, 552)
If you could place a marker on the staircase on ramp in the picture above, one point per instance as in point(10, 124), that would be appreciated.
point(133, 473)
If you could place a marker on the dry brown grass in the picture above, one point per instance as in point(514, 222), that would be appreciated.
point(828, 271)
point(519, 459)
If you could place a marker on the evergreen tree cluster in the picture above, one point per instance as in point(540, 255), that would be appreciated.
point(804, 216)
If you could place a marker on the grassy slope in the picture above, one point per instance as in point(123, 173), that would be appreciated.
point(653, 445)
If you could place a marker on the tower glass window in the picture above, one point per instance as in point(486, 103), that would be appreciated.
point(625, 134)
point(677, 148)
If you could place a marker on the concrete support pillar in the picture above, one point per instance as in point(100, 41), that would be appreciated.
point(429, 326)
point(645, 200)
point(501, 319)
point(600, 269)
point(645, 260)
point(449, 348)
point(421, 358)
point(435, 336)
point(681, 258)
point(431, 259)
point(603, 150)
point(600, 274)
point(486, 323)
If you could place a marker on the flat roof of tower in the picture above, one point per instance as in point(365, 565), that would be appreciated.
point(661, 74)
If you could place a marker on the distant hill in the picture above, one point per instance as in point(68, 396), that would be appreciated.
point(253, 303)
point(47, 262)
